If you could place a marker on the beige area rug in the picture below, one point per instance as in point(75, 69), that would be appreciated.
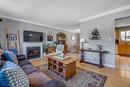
point(83, 78)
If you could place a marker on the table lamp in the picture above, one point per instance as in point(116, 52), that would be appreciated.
point(82, 41)
point(73, 38)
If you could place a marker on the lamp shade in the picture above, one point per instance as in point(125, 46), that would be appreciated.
point(73, 37)
point(82, 40)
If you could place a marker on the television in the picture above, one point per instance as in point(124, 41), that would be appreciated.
point(32, 36)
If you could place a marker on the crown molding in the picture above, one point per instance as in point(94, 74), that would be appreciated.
point(76, 31)
point(106, 13)
point(35, 23)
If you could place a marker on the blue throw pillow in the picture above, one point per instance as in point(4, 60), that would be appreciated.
point(14, 75)
point(10, 56)
point(3, 80)
point(9, 64)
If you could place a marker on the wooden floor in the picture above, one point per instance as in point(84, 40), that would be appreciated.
point(118, 77)
point(123, 62)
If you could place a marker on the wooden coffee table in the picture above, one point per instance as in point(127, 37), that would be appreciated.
point(65, 68)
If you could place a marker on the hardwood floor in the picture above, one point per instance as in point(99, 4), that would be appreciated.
point(117, 77)
point(123, 62)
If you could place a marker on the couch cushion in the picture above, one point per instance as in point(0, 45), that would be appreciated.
point(37, 79)
point(24, 62)
point(10, 56)
point(14, 75)
point(27, 66)
point(28, 69)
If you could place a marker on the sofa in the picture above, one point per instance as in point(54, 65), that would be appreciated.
point(36, 78)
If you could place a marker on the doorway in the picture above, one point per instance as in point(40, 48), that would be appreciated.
point(122, 41)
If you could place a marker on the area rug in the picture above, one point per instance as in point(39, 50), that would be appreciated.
point(83, 78)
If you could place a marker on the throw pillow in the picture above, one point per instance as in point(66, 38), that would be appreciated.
point(14, 75)
point(10, 56)
point(3, 80)
point(8, 64)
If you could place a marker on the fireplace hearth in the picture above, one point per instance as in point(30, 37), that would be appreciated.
point(33, 52)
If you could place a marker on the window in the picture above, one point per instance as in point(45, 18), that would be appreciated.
point(125, 36)
point(122, 35)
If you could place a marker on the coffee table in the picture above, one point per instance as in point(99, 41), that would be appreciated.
point(65, 68)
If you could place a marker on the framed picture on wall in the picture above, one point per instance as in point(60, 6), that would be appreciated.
point(49, 38)
point(12, 37)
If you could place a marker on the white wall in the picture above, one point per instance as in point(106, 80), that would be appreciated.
point(13, 27)
point(106, 27)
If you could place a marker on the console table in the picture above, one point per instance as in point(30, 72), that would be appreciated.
point(101, 52)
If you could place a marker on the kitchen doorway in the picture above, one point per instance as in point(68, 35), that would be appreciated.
point(122, 43)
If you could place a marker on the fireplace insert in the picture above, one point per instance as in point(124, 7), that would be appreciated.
point(33, 52)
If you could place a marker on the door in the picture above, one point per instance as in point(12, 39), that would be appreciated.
point(123, 45)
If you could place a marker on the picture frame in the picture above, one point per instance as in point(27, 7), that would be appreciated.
point(49, 38)
point(12, 37)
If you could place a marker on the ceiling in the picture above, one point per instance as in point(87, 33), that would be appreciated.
point(62, 14)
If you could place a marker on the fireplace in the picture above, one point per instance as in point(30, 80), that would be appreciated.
point(33, 52)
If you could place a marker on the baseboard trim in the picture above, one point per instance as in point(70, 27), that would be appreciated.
point(108, 65)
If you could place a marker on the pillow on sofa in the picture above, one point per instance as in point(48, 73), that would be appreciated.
point(3, 80)
point(10, 56)
point(9, 64)
point(13, 76)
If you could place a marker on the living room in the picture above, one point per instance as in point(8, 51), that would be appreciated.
point(62, 43)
